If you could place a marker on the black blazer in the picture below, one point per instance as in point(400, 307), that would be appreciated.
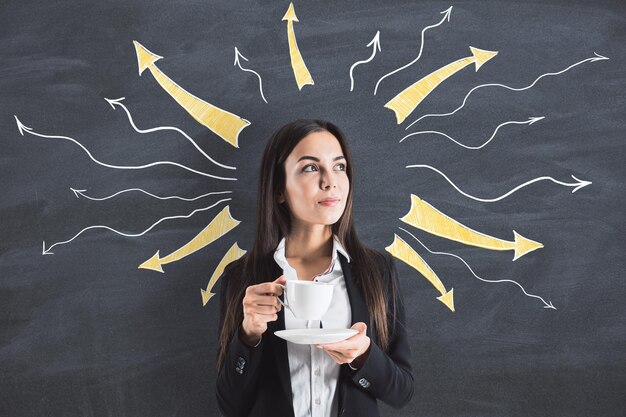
point(255, 381)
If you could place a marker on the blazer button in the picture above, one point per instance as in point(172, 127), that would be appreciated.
point(241, 363)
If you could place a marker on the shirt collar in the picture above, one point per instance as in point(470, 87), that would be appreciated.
point(279, 254)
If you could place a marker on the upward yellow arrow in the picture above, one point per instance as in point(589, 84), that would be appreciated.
point(302, 74)
point(401, 250)
point(424, 216)
point(221, 122)
point(219, 226)
point(405, 102)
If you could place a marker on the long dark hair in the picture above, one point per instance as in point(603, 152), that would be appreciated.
point(273, 223)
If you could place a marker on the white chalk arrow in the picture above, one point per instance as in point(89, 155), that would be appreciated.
point(446, 17)
point(597, 57)
point(47, 251)
point(238, 63)
point(575, 186)
point(375, 44)
point(545, 303)
point(24, 129)
point(81, 193)
point(529, 122)
point(118, 102)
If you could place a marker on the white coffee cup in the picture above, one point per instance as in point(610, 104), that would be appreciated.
point(307, 300)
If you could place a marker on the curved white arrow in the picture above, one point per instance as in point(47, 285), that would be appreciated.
point(375, 43)
point(545, 304)
point(118, 102)
point(446, 16)
point(81, 193)
point(47, 251)
point(577, 185)
point(593, 59)
point(237, 55)
point(29, 130)
point(529, 122)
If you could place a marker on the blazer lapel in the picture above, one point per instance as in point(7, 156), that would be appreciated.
point(357, 303)
point(359, 314)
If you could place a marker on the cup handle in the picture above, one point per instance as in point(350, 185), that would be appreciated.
point(283, 303)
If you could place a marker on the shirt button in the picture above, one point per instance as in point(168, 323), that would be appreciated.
point(317, 372)
point(318, 401)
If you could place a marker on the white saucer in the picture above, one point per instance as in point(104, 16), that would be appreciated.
point(315, 336)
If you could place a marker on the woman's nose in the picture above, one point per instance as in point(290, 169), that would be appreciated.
point(327, 182)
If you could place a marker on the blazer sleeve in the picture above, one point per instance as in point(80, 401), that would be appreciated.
point(238, 375)
point(388, 376)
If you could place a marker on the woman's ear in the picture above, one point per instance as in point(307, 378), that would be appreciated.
point(280, 198)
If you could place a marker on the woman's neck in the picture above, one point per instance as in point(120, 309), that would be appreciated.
point(309, 243)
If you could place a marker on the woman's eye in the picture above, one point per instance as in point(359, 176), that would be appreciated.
point(309, 168)
point(340, 167)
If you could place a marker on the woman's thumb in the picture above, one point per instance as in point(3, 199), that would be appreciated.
point(360, 327)
point(280, 280)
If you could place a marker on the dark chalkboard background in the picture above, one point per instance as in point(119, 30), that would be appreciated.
point(84, 332)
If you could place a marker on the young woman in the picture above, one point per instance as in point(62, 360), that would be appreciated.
point(305, 231)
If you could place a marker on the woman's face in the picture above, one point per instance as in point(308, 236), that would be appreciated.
point(316, 181)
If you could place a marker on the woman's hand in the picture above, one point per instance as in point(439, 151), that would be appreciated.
point(352, 350)
point(260, 306)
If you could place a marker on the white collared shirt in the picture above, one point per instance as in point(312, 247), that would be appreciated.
point(314, 373)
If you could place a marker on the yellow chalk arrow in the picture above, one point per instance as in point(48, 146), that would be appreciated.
point(219, 226)
point(233, 254)
point(302, 74)
point(224, 124)
point(401, 250)
point(404, 103)
point(424, 216)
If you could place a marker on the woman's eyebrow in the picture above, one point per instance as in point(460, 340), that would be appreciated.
point(337, 158)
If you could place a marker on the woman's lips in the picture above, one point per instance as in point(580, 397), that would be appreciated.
point(329, 202)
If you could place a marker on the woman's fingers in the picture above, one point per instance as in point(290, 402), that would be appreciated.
point(262, 300)
point(260, 306)
point(343, 346)
point(346, 351)
point(268, 300)
point(360, 327)
point(339, 357)
point(280, 280)
point(345, 354)
point(335, 357)
point(269, 288)
point(261, 320)
point(258, 309)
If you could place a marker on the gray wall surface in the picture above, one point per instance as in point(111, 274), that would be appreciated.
point(84, 332)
